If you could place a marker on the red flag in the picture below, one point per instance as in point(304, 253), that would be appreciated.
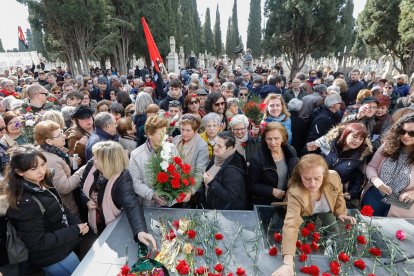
point(152, 47)
point(22, 39)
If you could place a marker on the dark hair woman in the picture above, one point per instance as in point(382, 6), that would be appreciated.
point(49, 234)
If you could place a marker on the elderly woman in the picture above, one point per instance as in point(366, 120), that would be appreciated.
point(224, 179)
point(126, 131)
point(211, 123)
point(246, 143)
point(346, 148)
point(79, 133)
point(155, 130)
point(141, 103)
point(107, 189)
point(51, 140)
point(54, 116)
point(313, 191)
point(192, 148)
point(276, 111)
point(391, 172)
point(13, 136)
point(271, 166)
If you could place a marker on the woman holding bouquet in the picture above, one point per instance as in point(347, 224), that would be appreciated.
point(155, 128)
point(313, 190)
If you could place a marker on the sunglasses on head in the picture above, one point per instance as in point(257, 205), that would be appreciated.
point(403, 132)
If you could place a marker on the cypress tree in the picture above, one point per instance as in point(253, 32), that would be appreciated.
point(254, 31)
point(208, 39)
point(218, 44)
point(229, 43)
point(234, 36)
point(1, 46)
point(197, 36)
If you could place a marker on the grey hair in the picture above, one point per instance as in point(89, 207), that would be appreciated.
point(102, 119)
point(67, 112)
point(35, 88)
point(239, 119)
point(142, 101)
point(212, 116)
point(5, 82)
point(228, 85)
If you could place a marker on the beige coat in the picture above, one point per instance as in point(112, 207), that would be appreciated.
point(300, 205)
point(63, 181)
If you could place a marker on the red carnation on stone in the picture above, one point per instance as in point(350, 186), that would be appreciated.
point(298, 243)
point(310, 226)
point(360, 264)
point(201, 270)
point(343, 257)
point(199, 251)
point(218, 251)
point(305, 248)
point(335, 267)
point(348, 227)
point(305, 232)
point(170, 236)
point(367, 211)
point(125, 270)
point(316, 236)
point(162, 177)
point(218, 267)
point(182, 267)
point(311, 270)
point(361, 239)
point(176, 224)
point(240, 271)
point(273, 251)
point(191, 234)
point(277, 237)
point(218, 236)
point(314, 246)
point(375, 251)
point(303, 257)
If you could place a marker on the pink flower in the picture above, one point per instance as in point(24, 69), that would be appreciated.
point(401, 235)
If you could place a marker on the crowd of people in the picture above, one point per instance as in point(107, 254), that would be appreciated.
point(74, 150)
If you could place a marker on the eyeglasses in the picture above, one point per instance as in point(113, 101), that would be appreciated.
point(403, 132)
point(174, 103)
point(131, 111)
point(239, 129)
point(44, 93)
point(243, 94)
point(2, 129)
point(193, 102)
point(219, 104)
point(188, 117)
point(60, 135)
point(388, 87)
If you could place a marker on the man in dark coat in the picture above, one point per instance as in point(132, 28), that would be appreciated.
point(354, 86)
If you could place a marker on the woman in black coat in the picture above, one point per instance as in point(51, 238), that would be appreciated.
point(107, 170)
point(36, 211)
point(271, 166)
point(224, 179)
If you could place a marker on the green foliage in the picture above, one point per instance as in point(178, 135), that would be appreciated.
point(228, 36)
point(218, 44)
point(298, 28)
point(208, 39)
point(233, 36)
point(254, 30)
point(406, 22)
point(1, 46)
point(198, 45)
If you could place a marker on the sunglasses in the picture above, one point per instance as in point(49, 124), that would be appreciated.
point(131, 111)
point(219, 104)
point(243, 94)
point(187, 117)
point(193, 102)
point(403, 132)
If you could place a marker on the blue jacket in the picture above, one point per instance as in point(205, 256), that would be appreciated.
point(402, 90)
point(97, 136)
point(286, 123)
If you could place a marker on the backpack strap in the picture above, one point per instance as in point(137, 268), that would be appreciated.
point(42, 208)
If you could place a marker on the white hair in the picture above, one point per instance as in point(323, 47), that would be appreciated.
point(239, 119)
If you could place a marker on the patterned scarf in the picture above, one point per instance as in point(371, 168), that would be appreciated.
point(396, 173)
point(57, 151)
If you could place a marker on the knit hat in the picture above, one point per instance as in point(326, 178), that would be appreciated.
point(295, 105)
point(332, 99)
point(334, 89)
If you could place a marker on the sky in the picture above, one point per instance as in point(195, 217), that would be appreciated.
point(16, 15)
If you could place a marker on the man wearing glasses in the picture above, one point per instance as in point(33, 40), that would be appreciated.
point(37, 101)
point(8, 88)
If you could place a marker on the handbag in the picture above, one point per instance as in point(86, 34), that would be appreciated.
point(393, 199)
point(16, 249)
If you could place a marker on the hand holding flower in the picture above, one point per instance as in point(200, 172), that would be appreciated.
point(344, 218)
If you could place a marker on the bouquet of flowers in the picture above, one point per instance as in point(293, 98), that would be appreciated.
point(27, 124)
point(254, 110)
point(169, 176)
point(173, 125)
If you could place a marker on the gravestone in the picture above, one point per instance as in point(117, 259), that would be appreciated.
point(172, 58)
point(181, 56)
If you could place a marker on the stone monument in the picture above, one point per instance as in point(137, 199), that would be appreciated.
point(172, 58)
point(182, 57)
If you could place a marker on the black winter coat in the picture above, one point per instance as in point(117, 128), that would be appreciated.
point(227, 191)
point(323, 120)
point(123, 196)
point(353, 89)
point(300, 130)
point(47, 238)
point(262, 175)
point(166, 101)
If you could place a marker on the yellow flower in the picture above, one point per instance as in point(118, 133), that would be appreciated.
point(187, 248)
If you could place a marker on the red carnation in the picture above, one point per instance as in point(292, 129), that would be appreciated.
point(162, 177)
point(348, 227)
point(199, 251)
point(28, 109)
point(305, 232)
point(343, 257)
point(175, 183)
point(371, 274)
point(177, 160)
point(192, 181)
point(185, 182)
point(240, 271)
point(218, 267)
point(186, 168)
point(335, 267)
point(361, 239)
point(375, 251)
point(360, 264)
point(125, 270)
point(311, 270)
point(171, 168)
point(176, 224)
point(310, 226)
point(182, 267)
point(172, 124)
point(314, 246)
point(243, 144)
point(230, 274)
point(171, 235)
point(367, 211)
point(305, 248)
point(218, 251)
point(316, 236)
point(298, 244)
point(273, 251)
point(191, 234)
point(277, 237)
point(303, 257)
point(218, 236)
point(181, 197)
point(201, 270)
point(326, 274)
point(262, 107)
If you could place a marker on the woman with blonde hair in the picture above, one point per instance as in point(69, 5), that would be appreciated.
point(314, 191)
point(276, 111)
point(107, 188)
point(55, 116)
